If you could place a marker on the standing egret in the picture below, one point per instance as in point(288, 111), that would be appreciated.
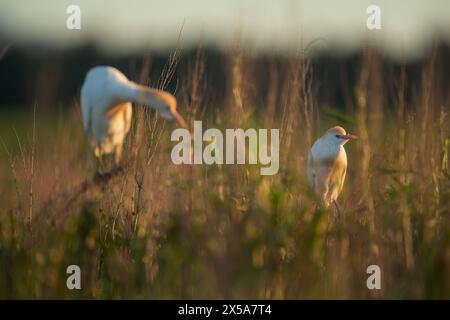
point(106, 97)
point(327, 165)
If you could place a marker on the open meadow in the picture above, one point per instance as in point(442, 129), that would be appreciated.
point(163, 231)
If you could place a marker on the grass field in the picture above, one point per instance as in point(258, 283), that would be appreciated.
point(160, 231)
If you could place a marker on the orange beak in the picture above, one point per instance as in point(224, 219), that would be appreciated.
point(179, 119)
point(348, 137)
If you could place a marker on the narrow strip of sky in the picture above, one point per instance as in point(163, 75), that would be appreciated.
point(408, 26)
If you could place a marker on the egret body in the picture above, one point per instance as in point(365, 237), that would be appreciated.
point(106, 106)
point(327, 165)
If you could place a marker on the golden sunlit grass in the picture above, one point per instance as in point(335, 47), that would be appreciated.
point(157, 230)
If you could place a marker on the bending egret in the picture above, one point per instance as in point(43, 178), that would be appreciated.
point(327, 165)
point(106, 97)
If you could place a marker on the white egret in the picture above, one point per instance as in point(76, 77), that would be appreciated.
point(106, 98)
point(327, 165)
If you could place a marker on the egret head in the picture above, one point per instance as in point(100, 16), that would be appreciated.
point(168, 109)
point(338, 136)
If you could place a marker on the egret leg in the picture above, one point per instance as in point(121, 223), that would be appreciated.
point(338, 211)
point(117, 157)
point(99, 165)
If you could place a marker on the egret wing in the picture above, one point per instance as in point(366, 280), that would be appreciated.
point(337, 176)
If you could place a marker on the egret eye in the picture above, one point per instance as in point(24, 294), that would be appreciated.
point(337, 136)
